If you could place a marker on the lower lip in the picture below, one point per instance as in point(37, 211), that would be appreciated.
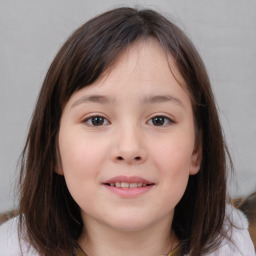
point(129, 192)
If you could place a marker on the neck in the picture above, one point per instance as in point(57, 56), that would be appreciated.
point(98, 240)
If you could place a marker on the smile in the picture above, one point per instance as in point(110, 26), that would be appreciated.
point(128, 186)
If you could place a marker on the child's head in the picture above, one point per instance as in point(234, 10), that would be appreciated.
point(127, 93)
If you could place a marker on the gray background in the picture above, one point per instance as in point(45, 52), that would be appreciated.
point(223, 31)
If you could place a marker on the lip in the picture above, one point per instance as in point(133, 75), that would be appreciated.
point(128, 179)
point(128, 192)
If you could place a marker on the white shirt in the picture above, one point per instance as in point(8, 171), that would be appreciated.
point(242, 244)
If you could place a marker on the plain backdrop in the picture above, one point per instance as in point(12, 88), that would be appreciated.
point(224, 32)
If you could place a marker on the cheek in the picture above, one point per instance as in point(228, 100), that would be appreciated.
point(80, 154)
point(173, 156)
point(81, 158)
point(81, 161)
point(172, 161)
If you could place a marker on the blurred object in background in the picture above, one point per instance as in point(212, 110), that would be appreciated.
point(248, 207)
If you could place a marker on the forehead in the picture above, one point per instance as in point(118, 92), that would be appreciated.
point(143, 60)
point(142, 69)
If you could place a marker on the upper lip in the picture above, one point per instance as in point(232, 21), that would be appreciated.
point(128, 179)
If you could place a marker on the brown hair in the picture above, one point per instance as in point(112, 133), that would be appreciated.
point(49, 216)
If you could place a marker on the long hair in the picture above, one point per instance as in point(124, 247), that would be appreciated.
point(49, 217)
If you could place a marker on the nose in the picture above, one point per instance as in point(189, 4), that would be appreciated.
point(129, 147)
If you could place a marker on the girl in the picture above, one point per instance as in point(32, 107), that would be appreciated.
point(125, 153)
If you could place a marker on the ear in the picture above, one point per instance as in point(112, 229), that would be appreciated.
point(196, 158)
point(58, 166)
point(59, 170)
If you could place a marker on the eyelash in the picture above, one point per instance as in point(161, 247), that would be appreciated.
point(89, 121)
point(104, 121)
point(167, 120)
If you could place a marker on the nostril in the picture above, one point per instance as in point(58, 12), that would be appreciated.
point(137, 158)
point(119, 158)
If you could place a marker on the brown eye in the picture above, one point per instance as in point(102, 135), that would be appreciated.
point(160, 121)
point(96, 121)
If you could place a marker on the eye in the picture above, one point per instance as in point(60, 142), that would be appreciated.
point(96, 121)
point(160, 121)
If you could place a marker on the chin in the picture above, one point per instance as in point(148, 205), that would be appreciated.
point(128, 222)
point(128, 226)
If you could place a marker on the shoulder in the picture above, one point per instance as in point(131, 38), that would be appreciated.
point(9, 240)
point(9, 237)
point(240, 243)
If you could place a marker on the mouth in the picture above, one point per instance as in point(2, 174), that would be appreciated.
point(128, 187)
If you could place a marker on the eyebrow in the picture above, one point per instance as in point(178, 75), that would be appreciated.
point(94, 99)
point(162, 99)
point(110, 100)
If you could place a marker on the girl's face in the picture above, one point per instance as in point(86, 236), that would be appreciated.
point(127, 142)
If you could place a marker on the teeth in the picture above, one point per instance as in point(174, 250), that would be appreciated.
point(124, 185)
point(133, 185)
point(127, 185)
point(117, 184)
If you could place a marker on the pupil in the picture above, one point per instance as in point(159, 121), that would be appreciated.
point(97, 120)
point(158, 121)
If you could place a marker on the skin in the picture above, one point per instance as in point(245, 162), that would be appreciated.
point(128, 142)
